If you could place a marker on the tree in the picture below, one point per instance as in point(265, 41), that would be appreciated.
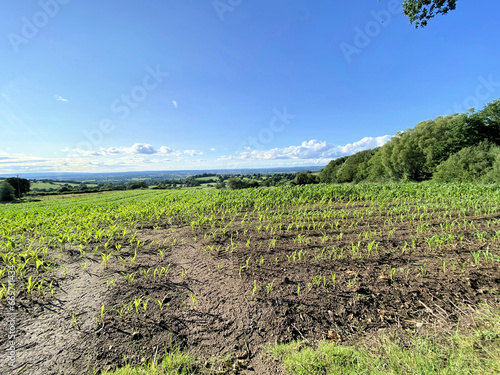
point(305, 178)
point(493, 174)
point(376, 170)
point(192, 182)
point(355, 167)
point(6, 192)
point(137, 185)
point(329, 173)
point(421, 11)
point(20, 185)
point(235, 183)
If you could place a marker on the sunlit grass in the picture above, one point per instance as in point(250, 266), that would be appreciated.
point(475, 351)
point(176, 362)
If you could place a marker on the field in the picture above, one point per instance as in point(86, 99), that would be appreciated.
point(55, 185)
point(216, 279)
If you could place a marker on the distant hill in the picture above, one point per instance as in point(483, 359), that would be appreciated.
point(142, 175)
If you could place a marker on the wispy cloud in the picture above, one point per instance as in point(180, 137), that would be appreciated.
point(174, 103)
point(60, 98)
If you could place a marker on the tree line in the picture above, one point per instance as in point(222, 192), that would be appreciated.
point(461, 147)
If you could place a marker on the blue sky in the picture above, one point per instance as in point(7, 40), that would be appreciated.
point(96, 86)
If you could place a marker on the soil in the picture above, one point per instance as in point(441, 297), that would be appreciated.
point(224, 313)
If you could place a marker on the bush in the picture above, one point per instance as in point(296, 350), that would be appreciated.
point(20, 185)
point(305, 178)
point(137, 185)
point(471, 164)
point(7, 192)
point(235, 183)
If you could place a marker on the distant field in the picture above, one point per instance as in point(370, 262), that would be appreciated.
point(54, 185)
point(323, 278)
point(206, 178)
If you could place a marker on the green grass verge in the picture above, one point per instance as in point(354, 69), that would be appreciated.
point(473, 352)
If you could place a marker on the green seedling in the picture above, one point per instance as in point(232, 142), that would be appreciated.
point(255, 287)
point(333, 277)
point(30, 286)
point(269, 287)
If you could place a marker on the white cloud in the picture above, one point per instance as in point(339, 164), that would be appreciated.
point(143, 148)
point(365, 144)
point(309, 150)
point(164, 150)
point(193, 152)
point(136, 149)
point(78, 163)
point(213, 149)
point(60, 98)
point(174, 103)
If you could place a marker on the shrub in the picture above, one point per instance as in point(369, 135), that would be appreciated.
point(471, 164)
point(7, 192)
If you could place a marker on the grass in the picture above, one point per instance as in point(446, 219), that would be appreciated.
point(475, 351)
point(175, 362)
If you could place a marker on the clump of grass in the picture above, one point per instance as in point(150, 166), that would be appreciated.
point(175, 362)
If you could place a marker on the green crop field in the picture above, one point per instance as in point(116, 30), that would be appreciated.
point(317, 279)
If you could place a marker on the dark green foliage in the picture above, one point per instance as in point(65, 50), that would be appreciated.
point(305, 178)
point(20, 185)
point(474, 128)
point(409, 155)
point(471, 164)
point(235, 183)
point(355, 168)
point(6, 192)
point(376, 170)
point(329, 174)
point(137, 185)
point(493, 174)
point(252, 184)
point(278, 179)
point(192, 182)
point(421, 11)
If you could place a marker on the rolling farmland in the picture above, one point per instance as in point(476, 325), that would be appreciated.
point(101, 281)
